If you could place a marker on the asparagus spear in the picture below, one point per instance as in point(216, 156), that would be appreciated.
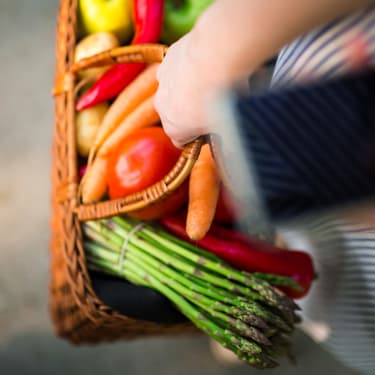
point(116, 241)
point(200, 262)
point(205, 303)
point(216, 265)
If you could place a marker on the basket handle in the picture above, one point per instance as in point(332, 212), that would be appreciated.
point(148, 196)
point(138, 53)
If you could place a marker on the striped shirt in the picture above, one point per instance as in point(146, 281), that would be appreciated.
point(344, 252)
point(323, 53)
point(300, 147)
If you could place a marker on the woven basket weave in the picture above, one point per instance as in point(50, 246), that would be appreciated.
point(77, 312)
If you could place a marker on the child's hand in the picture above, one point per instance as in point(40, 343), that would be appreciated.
point(185, 87)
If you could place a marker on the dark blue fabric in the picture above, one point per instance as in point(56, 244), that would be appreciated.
point(313, 146)
point(135, 301)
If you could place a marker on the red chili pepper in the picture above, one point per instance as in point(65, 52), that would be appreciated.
point(251, 254)
point(148, 21)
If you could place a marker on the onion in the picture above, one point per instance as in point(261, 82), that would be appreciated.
point(87, 124)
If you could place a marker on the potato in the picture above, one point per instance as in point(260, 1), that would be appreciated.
point(91, 45)
point(87, 123)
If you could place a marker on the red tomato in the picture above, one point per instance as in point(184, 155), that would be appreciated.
point(168, 206)
point(144, 158)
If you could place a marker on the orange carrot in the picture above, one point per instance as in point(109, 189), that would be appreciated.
point(204, 188)
point(94, 182)
point(94, 185)
point(143, 116)
point(135, 93)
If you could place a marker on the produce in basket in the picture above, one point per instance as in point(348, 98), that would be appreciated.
point(87, 123)
point(91, 45)
point(204, 189)
point(113, 16)
point(251, 254)
point(209, 200)
point(148, 18)
point(142, 159)
point(241, 311)
point(142, 117)
point(143, 87)
point(133, 109)
point(246, 312)
point(180, 17)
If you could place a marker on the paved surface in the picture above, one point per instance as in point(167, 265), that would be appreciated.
point(27, 344)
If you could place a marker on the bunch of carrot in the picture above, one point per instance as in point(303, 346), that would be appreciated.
point(133, 109)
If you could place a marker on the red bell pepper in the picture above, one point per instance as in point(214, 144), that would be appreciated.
point(148, 21)
point(250, 254)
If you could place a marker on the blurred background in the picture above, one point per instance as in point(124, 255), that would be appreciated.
point(27, 342)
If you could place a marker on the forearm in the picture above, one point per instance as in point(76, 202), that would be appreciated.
point(234, 37)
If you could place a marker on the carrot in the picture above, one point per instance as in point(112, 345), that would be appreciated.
point(135, 93)
point(94, 182)
point(143, 116)
point(204, 188)
point(94, 186)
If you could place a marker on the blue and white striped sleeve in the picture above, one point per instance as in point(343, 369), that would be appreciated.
point(324, 53)
point(312, 147)
point(343, 298)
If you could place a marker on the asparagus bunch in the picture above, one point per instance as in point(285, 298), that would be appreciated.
point(241, 311)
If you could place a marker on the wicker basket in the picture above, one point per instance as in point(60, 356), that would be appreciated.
point(77, 312)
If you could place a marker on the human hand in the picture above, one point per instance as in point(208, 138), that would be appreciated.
point(185, 88)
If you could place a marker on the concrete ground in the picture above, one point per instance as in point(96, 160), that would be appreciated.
point(27, 343)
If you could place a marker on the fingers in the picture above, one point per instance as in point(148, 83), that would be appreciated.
point(170, 58)
point(179, 99)
point(159, 71)
point(175, 126)
point(173, 129)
